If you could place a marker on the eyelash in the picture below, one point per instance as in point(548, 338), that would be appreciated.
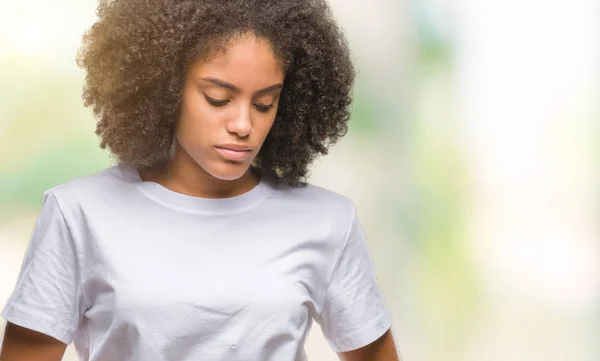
point(215, 102)
point(263, 108)
point(220, 103)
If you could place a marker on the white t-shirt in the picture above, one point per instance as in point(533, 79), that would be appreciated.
point(132, 271)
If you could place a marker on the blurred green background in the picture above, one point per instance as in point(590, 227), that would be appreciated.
point(472, 158)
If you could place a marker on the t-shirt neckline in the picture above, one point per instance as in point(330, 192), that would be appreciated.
point(169, 197)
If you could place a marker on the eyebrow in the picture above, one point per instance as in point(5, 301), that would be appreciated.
point(224, 84)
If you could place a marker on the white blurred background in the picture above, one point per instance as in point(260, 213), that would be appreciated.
point(472, 158)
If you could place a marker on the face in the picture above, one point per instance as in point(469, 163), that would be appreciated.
point(229, 105)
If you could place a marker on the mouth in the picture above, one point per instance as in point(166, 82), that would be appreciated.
point(234, 152)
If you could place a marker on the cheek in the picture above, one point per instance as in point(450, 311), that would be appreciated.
point(263, 127)
point(197, 121)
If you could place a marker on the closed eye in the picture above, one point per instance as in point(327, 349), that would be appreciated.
point(263, 108)
point(216, 102)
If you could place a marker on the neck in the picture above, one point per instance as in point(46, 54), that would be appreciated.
point(185, 176)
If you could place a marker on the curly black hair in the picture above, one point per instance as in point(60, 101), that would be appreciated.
point(136, 55)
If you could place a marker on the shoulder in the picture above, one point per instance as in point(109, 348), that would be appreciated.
point(102, 185)
point(315, 200)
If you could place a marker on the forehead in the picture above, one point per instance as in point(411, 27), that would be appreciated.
point(246, 61)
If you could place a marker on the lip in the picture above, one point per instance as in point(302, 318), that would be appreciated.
point(234, 147)
point(234, 152)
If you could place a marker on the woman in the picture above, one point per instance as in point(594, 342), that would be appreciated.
point(204, 242)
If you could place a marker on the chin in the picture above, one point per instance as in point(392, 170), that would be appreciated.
point(227, 172)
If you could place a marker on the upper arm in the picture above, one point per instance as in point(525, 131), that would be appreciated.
point(21, 344)
point(47, 297)
point(354, 313)
point(383, 349)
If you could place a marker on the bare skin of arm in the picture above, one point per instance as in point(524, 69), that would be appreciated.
point(22, 344)
point(384, 349)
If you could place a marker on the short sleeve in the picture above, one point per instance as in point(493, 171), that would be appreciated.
point(354, 312)
point(47, 297)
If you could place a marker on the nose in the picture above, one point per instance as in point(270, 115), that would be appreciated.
point(241, 124)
